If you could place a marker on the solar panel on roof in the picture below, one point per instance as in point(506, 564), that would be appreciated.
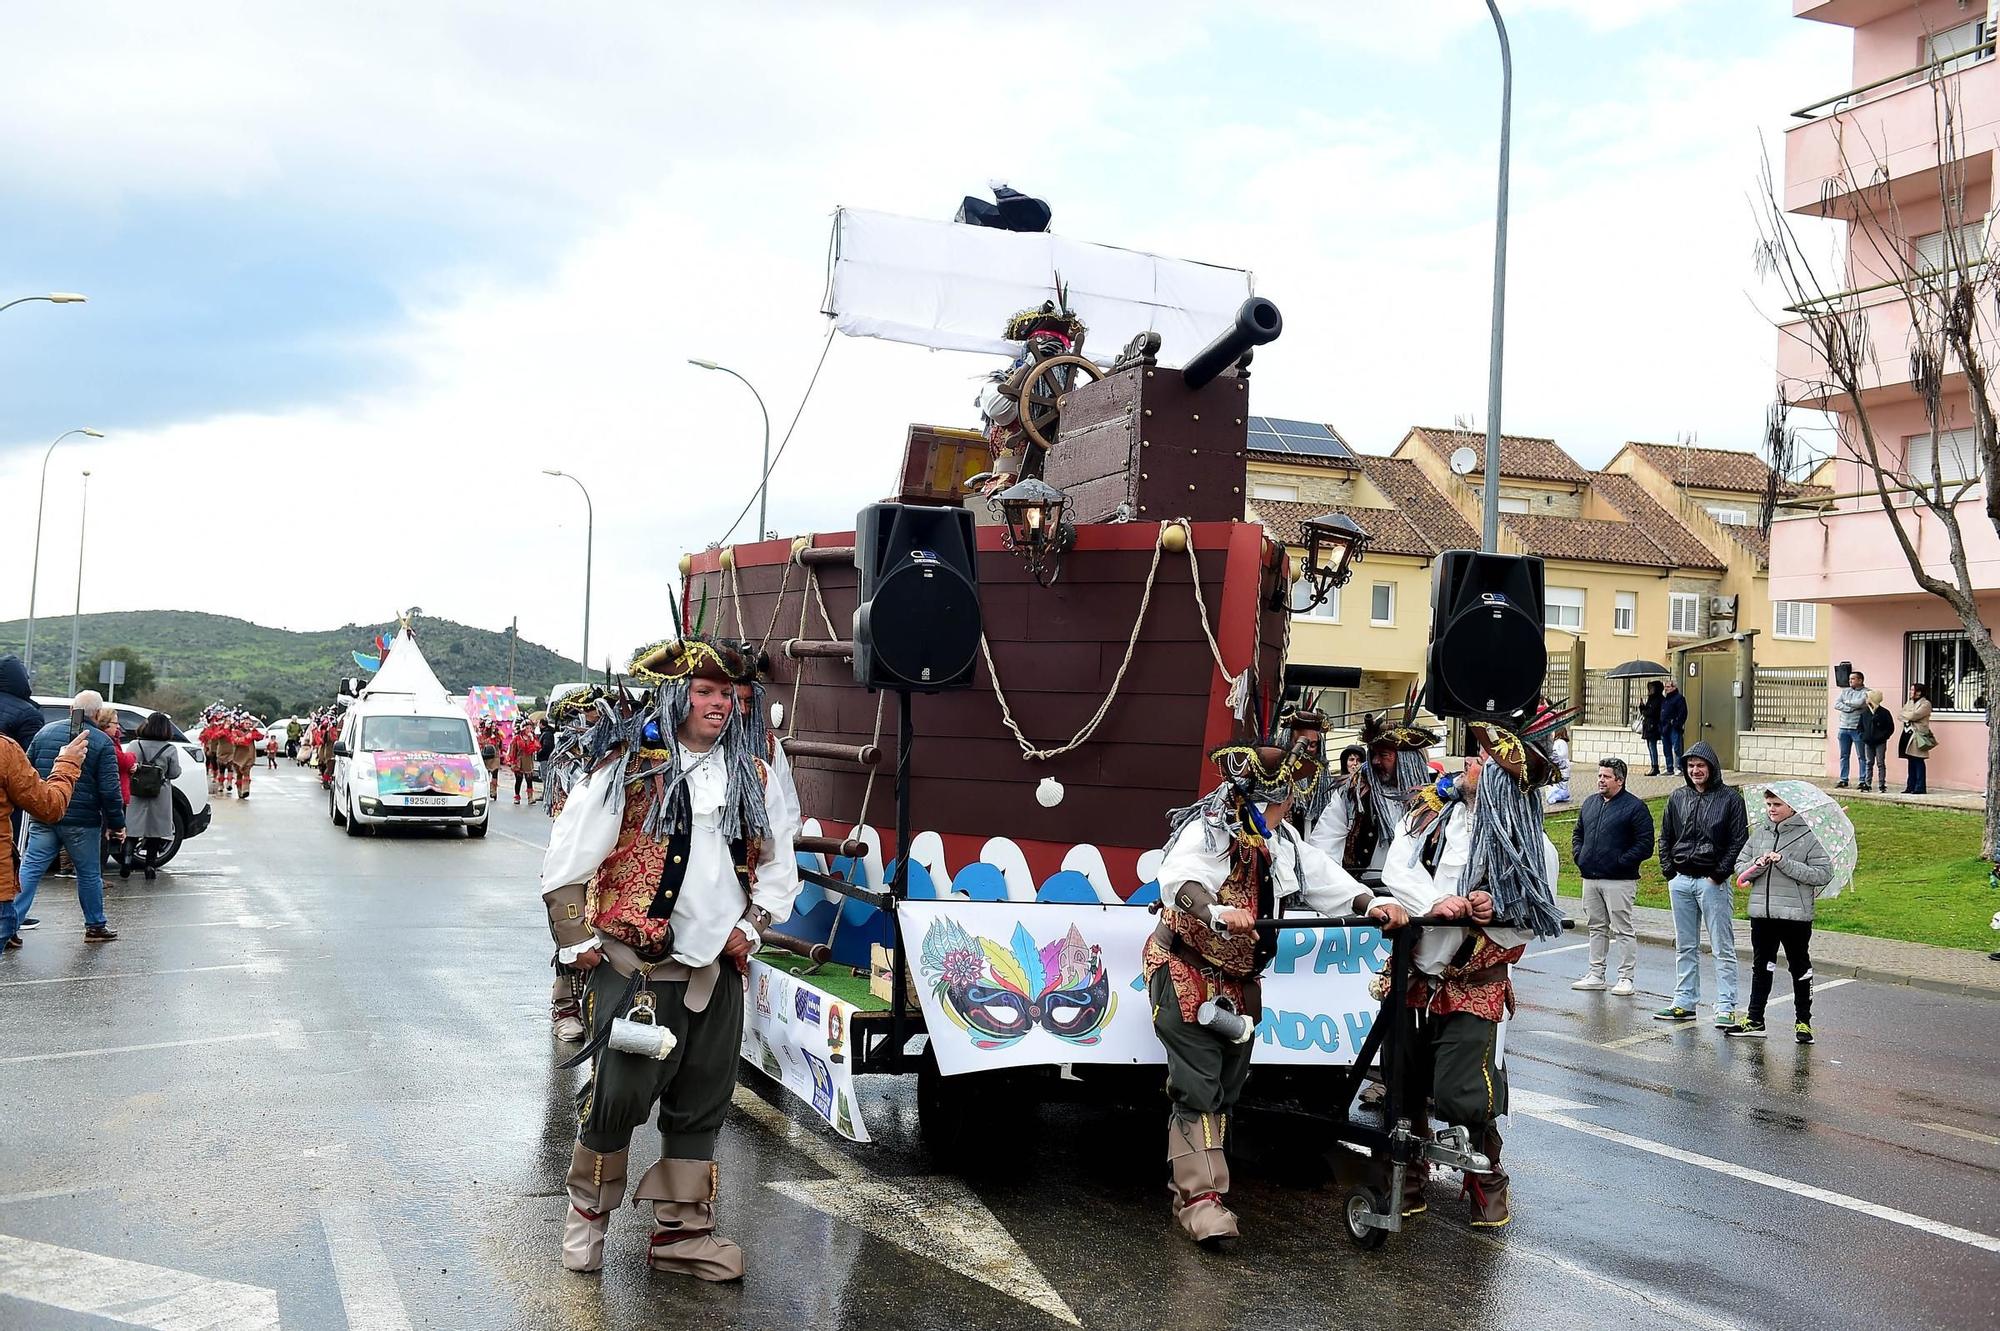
point(1275, 434)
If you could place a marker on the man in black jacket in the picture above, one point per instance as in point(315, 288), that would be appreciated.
point(1613, 837)
point(1704, 829)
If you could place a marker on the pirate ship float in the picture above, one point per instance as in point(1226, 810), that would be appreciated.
point(1132, 621)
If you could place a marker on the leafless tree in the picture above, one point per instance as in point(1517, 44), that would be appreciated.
point(1952, 303)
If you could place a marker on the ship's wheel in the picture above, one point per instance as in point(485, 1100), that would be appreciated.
point(1049, 382)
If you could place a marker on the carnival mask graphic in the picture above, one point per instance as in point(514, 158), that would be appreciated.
point(999, 993)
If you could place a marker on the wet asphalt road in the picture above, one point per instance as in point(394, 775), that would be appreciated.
point(313, 1079)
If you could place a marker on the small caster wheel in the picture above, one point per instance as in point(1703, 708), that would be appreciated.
point(1363, 1206)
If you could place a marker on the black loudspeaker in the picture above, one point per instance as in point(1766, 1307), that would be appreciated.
point(917, 626)
point(1487, 658)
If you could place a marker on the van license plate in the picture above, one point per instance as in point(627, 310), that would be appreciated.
point(426, 801)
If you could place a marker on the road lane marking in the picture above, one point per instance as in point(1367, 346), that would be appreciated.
point(1592, 1044)
point(263, 966)
point(538, 845)
point(132, 1293)
point(1627, 1041)
point(934, 1217)
point(239, 922)
point(1819, 987)
point(1552, 951)
point(1687, 1315)
point(367, 1284)
point(1541, 1107)
point(140, 1048)
point(1966, 1133)
point(196, 892)
point(41, 1194)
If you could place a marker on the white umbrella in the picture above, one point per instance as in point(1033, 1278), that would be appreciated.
point(1829, 822)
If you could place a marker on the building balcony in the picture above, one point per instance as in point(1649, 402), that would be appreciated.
point(1884, 135)
point(1886, 319)
point(1850, 553)
point(1847, 13)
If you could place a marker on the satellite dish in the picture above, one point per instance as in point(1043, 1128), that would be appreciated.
point(1464, 461)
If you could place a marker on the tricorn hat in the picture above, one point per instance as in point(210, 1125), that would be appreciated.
point(1524, 753)
point(692, 656)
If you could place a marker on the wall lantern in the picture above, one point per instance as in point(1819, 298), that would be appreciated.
point(1334, 544)
point(1036, 529)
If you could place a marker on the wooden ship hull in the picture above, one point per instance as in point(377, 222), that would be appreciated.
point(1133, 445)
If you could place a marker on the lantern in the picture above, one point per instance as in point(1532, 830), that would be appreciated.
point(1036, 530)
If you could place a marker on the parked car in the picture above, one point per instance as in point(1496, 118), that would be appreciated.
point(191, 811)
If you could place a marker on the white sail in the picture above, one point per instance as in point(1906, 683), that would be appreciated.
point(952, 287)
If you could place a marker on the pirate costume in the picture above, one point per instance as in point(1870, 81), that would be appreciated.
point(697, 857)
point(1362, 810)
point(1453, 842)
point(1224, 854)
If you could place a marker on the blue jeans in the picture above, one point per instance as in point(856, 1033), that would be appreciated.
point(1671, 741)
point(1653, 753)
point(1850, 740)
point(1919, 782)
point(1698, 902)
point(83, 845)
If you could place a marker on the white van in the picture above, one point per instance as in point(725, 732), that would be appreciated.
point(398, 760)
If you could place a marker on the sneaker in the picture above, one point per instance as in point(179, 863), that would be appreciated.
point(31, 923)
point(1623, 989)
point(13, 942)
point(98, 933)
point(1840, 785)
point(1803, 1032)
point(1678, 1015)
point(1727, 1020)
point(1589, 982)
point(1752, 1029)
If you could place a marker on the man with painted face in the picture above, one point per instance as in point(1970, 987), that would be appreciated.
point(1228, 862)
point(1473, 849)
point(700, 868)
point(1359, 822)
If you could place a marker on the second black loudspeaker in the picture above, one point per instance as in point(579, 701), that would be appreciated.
point(918, 624)
point(1487, 658)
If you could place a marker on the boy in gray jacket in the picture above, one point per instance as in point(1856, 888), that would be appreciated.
point(1784, 867)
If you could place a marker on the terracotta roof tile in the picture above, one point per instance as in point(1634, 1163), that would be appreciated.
point(1717, 469)
point(1521, 456)
point(1661, 527)
point(1389, 532)
point(1299, 459)
point(1589, 539)
point(1406, 486)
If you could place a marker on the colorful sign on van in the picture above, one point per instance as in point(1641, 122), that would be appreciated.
point(399, 772)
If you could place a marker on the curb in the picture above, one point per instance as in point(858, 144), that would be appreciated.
point(1857, 971)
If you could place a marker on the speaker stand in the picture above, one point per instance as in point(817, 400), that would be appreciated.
point(899, 886)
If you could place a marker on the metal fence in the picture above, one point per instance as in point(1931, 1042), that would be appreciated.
point(1792, 698)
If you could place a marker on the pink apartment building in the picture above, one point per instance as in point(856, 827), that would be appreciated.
point(1880, 136)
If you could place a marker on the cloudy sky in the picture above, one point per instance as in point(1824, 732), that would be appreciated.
point(358, 272)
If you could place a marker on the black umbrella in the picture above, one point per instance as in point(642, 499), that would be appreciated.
point(1639, 670)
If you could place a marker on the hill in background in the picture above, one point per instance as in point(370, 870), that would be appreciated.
point(200, 657)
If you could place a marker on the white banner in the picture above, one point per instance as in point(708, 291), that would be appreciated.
point(1014, 984)
point(952, 287)
point(799, 1034)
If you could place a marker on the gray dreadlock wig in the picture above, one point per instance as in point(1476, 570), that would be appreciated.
point(743, 813)
point(1507, 859)
point(1216, 811)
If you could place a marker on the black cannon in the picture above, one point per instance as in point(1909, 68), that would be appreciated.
point(1257, 322)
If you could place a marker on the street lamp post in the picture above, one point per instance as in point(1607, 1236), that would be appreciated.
point(40, 496)
point(53, 298)
point(764, 477)
point(1490, 532)
point(76, 615)
point(589, 537)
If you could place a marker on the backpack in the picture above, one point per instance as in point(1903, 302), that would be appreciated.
point(149, 778)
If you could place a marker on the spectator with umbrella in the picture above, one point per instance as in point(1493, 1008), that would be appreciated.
point(1801, 848)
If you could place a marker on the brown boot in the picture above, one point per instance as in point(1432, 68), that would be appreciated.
point(683, 1196)
point(1488, 1192)
point(1199, 1180)
point(1415, 1176)
point(596, 1187)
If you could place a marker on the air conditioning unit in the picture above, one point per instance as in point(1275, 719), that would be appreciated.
point(1722, 607)
point(1718, 628)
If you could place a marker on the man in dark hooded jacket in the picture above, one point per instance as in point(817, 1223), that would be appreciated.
point(1701, 835)
point(20, 719)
